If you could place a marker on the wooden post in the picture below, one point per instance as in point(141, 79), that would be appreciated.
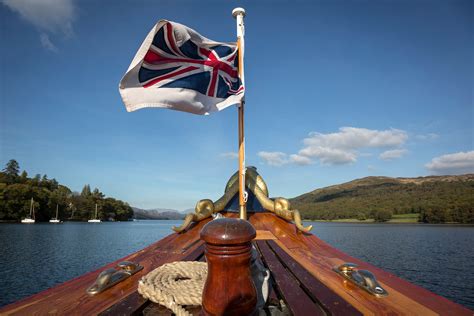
point(243, 208)
point(238, 14)
point(229, 289)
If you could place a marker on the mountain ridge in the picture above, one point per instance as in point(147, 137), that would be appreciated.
point(415, 180)
point(157, 213)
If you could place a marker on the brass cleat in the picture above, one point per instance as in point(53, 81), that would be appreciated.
point(110, 277)
point(362, 278)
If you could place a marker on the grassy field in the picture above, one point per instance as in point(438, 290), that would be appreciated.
point(399, 218)
point(405, 218)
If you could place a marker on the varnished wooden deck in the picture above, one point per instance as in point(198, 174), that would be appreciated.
point(301, 266)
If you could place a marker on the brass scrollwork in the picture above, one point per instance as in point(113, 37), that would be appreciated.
point(254, 182)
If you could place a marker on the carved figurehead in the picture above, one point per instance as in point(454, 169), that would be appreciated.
point(255, 184)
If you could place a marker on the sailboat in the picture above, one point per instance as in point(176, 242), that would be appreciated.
point(31, 218)
point(56, 219)
point(95, 219)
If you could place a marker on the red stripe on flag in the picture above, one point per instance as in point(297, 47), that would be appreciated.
point(212, 86)
point(156, 80)
point(231, 58)
point(152, 57)
point(208, 53)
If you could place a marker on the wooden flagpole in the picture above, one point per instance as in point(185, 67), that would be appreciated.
point(239, 14)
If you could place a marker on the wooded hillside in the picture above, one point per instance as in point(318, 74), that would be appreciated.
point(437, 199)
point(16, 191)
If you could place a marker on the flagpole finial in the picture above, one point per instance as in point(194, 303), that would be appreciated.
point(238, 11)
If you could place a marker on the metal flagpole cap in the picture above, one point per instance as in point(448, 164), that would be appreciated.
point(238, 11)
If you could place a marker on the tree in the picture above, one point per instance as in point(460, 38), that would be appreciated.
point(86, 191)
point(97, 194)
point(36, 180)
point(361, 216)
point(24, 176)
point(12, 169)
point(382, 215)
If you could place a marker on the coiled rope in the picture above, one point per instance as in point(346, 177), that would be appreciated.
point(175, 284)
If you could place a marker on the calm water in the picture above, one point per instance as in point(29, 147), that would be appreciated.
point(36, 257)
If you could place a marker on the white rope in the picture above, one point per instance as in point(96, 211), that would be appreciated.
point(175, 284)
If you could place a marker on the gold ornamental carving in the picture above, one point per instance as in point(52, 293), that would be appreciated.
point(254, 182)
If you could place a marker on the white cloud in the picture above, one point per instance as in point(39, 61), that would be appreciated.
point(300, 160)
point(48, 16)
point(355, 138)
point(275, 158)
point(230, 155)
point(457, 163)
point(46, 42)
point(342, 147)
point(393, 154)
point(329, 155)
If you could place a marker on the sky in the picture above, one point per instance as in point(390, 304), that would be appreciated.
point(335, 90)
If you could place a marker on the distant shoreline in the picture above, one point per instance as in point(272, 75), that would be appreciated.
point(367, 221)
point(371, 221)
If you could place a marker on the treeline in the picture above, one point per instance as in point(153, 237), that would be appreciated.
point(436, 199)
point(17, 189)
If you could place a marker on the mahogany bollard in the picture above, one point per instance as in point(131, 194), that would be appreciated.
point(229, 289)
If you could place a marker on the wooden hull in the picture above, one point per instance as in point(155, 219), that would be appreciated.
point(311, 259)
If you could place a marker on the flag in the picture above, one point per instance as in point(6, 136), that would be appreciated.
point(177, 68)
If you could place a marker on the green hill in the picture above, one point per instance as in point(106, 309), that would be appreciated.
point(437, 199)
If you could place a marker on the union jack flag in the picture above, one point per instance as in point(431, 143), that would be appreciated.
point(177, 68)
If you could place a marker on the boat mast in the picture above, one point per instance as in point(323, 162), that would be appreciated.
point(57, 208)
point(31, 208)
point(238, 14)
point(95, 211)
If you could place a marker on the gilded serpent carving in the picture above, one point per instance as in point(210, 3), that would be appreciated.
point(254, 182)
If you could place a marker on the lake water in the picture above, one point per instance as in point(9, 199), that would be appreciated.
point(36, 257)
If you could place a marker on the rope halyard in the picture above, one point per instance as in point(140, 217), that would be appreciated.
point(175, 284)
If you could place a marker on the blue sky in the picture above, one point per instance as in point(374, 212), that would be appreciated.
point(336, 90)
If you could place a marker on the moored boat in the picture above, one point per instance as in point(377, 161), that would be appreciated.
point(56, 219)
point(30, 219)
point(95, 219)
